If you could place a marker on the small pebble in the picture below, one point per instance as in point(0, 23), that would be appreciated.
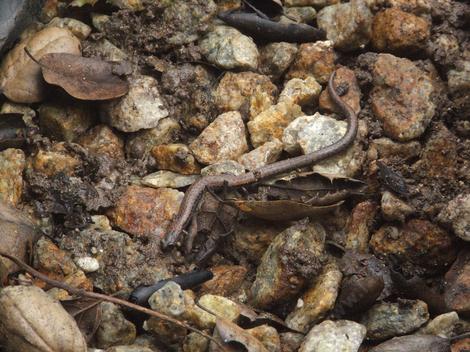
point(275, 58)
point(300, 92)
point(12, 164)
point(169, 179)
point(87, 264)
point(457, 215)
point(114, 328)
point(267, 153)
point(175, 157)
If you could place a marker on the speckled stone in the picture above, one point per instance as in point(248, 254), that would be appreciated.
point(194, 342)
point(87, 264)
point(319, 298)
point(301, 91)
point(145, 211)
point(169, 300)
point(314, 59)
point(78, 28)
point(275, 58)
point(393, 208)
point(220, 306)
point(383, 148)
point(457, 215)
point(12, 164)
point(268, 336)
point(224, 167)
point(175, 157)
point(265, 154)
point(101, 140)
point(229, 49)
point(272, 122)
point(168, 179)
point(283, 271)
point(291, 341)
point(443, 325)
point(54, 160)
point(227, 279)
point(347, 25)
point(224, 139)
point(359, 226)
point(386, 320)
point(142, 107)
point(459, 78)
point(397, 31)
point(114, 329)
point(235, 90)
point(341, 335)
point(402, 97)
point(301, 14)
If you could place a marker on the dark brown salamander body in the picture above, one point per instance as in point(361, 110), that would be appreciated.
point(194, 193)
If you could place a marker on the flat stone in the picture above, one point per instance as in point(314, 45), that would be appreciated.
point(341, 335)
point(347, 25)
point(271, 123)
point(313, 59)
point(142, 107)
point(146, 212)
point(457, 215)
point(12, 164)
point(265, 154)
point(224, 139)
point(229, 49)
point(386, 320)
point(275, 58)
point(168, 179)
point(301, 91)
point(402, 97)
point(397, 31)
point(114, 329)
point(175, 157)
point(106, 50)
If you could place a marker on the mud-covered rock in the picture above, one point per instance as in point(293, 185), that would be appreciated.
point(457, 215)
point(114, 329)
point(12, 164)
point(229, 49)
point(300, 91)
point(341, 335)
point(146, 212)
point(271, 123)
point(265, 154)
point(275, 58)
point(386, 320)
point(224, 139)
point(313, 59)
point(175, 157)
point(295, 256)
point(347, 25)
point(142, 107)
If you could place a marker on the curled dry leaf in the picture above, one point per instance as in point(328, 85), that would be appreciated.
point(249, 318)
point(82, 77)
point(86, 312)
point(232, 333)
point(31, 321)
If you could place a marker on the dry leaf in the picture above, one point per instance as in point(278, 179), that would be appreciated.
point(82, 77)
point(86, 312)
point(32, 321)
point(233, 334)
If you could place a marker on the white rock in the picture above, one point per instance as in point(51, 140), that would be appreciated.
point(87, 264)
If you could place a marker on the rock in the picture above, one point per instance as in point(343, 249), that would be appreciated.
point(268, 336)
point(347, 25)
point(128, 348)
point(224, 167)
point(58, 159)
point(344, 78)
point(133, 5)
point(87, 264)
point(223, 139)
point(169, 300)
point(457, 287)
point(414, 343)
point(443, 48)
point(418, 245)
point(393, 208)
point(12, 164)
point(265, 154)
point(123, 263)
point(168, 179)
point(146, 212)
point(291, 341)
point(20, 78)
point(300, 92)
point(312, 133)
point(315, 3)
point(275, 58)
point(102, 141)
point(457, 215)
point(114, 329)
point(271, 123)
point(386, 320)
point(78, 28)
point(227, 48)
point(105, 50)
point(418, 7)
point(461, 345)
point(397, 31)
point(359, 226)
point(235, 90)
point(341, 335)
point(284, 270)
point(227, 279)
point(142, 107)
point(220, 306)
point(314, 59)
point(259, 102)
point(302, 14)
point(165, 333)
point(402, 97)
point(317, 301)
point(175, 157)
point(459, 78)
point(140, 143)
point(443, 325)
point(194, 342)
point(65, 122)
point(384, 148)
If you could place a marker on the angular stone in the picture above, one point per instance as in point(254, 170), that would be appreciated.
point(301, 14)
point(300, 92)
point(265, 154)
point(383, 148)
point(224, 167)
point(114, 329)
point(275, 58)
point(101, 140)
point(169, 300)
point(220, 306)
point(457, 215)
point(12, 164)
point(168, 179)
point(459, 78)
point(359, 226)
point(457, 290)
point(227, 279)
point(177, 158)
point(224, 139)
point(268, 336)
point(146, 212)
point(78, 28)
point(393, 208)
point(55, 160)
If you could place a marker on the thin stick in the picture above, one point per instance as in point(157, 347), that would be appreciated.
point(81, 292)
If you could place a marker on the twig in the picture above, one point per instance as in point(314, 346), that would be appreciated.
point(81, 292)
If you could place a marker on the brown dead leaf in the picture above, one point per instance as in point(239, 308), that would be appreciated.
point(86, 312)
point(231, 333)
point(82, 77)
